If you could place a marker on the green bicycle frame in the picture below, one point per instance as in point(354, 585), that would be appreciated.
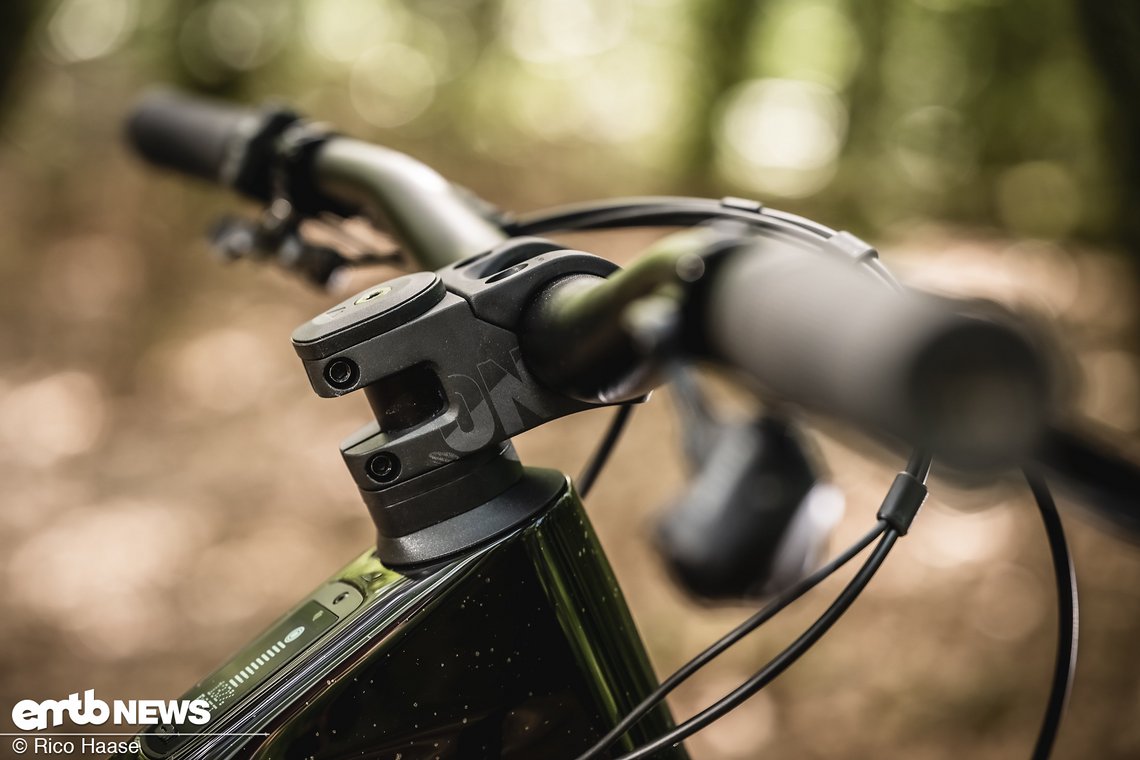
point(523, 649)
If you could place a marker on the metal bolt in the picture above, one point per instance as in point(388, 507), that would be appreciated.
point(383, 467)
point(342, 373)
point(373, 294)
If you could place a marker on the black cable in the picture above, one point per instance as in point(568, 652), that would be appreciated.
point(601, 454)
point(748, 626)
point(919, 464)
point(1067, 616)
point(778, 664)
point(625, 213)
point(671, 212)
point(661, 211)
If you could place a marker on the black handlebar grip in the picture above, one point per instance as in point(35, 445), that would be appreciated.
point(198, 137)
point(819, 329)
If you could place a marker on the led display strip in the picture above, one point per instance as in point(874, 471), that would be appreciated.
point(255, 664)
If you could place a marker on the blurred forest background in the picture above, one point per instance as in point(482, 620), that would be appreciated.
point(158, 439)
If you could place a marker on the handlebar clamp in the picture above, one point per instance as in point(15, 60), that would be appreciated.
point(437, 354)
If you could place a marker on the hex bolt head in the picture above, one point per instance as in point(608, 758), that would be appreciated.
point(383, 467)
point(342, 373)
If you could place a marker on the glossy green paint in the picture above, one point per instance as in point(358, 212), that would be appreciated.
point(523, 649)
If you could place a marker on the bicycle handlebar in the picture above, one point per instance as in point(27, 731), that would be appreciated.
point(194, 137)
point(220, 142)
point(810, 327)
point(434, 221)
point(806, 324)
point(248, 151)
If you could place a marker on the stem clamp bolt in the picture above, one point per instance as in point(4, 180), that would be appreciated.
point(342, 373)
point(384, 467)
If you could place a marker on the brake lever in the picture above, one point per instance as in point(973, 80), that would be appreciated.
point(276, 236)
point(756, 517)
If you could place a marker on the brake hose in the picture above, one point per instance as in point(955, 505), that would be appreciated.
point(896, 513)
point(780, 662)
point(602, 453)
point(672, 212)
point(1065, 663)
point(919, 465)
point(692, 666)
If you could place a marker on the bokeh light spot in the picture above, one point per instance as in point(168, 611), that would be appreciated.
point(344, 30)
point(237, 36)
point(47, 420)
point(782, 136)
point(546, 31)
point(81, 30)
point(812, 40)
point(391, 84)
point(950, 538)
